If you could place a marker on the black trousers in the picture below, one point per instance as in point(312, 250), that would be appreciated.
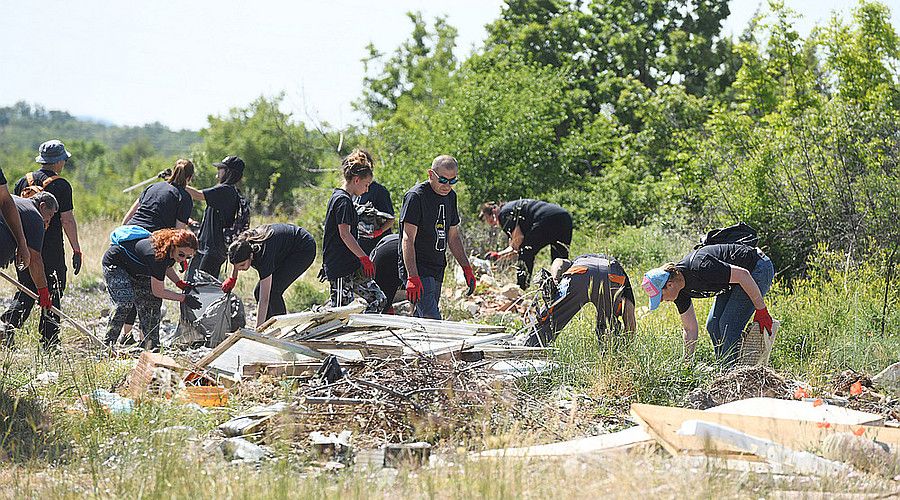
point(18, 312)
point(555, 232)
point(293, 265)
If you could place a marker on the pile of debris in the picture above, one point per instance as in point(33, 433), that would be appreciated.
point(741, 383)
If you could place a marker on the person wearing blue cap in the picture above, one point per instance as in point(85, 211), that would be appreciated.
point(52, 156)
point(712, 271)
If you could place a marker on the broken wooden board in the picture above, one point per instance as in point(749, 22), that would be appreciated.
point(297, 322)
point(422, 324)
point(246, 347)
point(606, 443)
point(798, 410)
point(663, 422)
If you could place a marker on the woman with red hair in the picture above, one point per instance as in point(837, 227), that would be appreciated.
point(134, 272)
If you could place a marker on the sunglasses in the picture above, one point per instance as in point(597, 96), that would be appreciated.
point(183, 255)
point(444, 180)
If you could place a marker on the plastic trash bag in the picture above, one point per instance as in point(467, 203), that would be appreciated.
point(219, 315)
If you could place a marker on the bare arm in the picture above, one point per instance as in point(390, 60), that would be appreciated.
point(131, 211)
point(742, 277)
point(14, 222)
point(159, 290)
point(456, 246)
point(516, 238)
point(409, 249)
point(195, 193)
point(71, 229)
point(36, 269)
point(349, 240)
point(262, 309)
point(691, 330)
point(172, 275)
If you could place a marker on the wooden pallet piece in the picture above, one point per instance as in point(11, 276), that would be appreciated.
point(422, 324)
point(663, 422)
point(605, 443)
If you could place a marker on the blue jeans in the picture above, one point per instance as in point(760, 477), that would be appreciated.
point(427, 306)
point(732, 310)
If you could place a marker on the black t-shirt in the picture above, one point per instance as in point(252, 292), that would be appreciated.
point(433, 215)
point(222, 204)
point(527, 214)
point(161, 205)
point(707, 270)
point(62, 190)
point(380, 198)
point(337, 259)
point(285, 239)
point(138, 258)
point(385, 257)
point(2, 178)
point(32, 226)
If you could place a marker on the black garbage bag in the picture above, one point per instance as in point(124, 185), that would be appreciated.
point(219, 314)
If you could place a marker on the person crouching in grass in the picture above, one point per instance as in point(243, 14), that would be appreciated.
point(347, 267)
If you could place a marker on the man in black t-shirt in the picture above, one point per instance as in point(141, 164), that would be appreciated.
point(530, 225)
point(222, 205)
point(712, 271)
point(380, 199)
point(429, 225)
point(52, 156)
point(591, 278)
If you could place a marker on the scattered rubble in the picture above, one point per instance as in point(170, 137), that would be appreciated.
point(741, 383)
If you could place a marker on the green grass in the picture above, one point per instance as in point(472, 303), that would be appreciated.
point(830, 321)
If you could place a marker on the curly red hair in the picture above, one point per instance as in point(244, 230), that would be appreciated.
point(165, 240)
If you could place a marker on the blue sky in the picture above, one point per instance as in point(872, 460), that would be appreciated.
point(177, 62)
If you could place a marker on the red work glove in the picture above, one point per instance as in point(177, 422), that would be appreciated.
point(765, 321)
point(413, 289)
point(376, 233)
point(44, 298)
point(470, 278)
point(228, 285)
point(367, 265)
point(184, 285)
point(184, 265)
point(492, 256)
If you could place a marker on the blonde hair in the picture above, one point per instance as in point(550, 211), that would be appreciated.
point(357, 164)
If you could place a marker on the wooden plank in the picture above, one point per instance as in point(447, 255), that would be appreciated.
point(282, 344)
point(368, 347)
point(280, 369)
point(606, 443)
point(308, 319)
point(219, 349)
point(422, 324)
point(798, 410)
point(663, 422)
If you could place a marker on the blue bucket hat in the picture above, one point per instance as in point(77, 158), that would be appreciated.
point(653, 283)
point(51, 152)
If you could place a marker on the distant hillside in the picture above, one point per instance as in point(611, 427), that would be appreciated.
point(24, 127)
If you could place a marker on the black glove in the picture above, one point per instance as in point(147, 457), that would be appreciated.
point(76, 263)
point(523, 277)
point(192, 302)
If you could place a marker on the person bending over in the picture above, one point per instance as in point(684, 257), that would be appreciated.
point(709, 271)
point(592, 278)
point(135, 271)
point(34, 214)
point(387, 276)
point(280, 253)
point(530, 225)
point(429, 225)
point(347, 267)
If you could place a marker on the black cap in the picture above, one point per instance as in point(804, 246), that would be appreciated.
point(231, 162)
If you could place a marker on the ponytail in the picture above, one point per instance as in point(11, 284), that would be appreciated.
point(184, 170)
point(249, 243)
point(357, 164)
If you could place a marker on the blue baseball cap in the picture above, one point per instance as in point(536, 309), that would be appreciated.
point(51, 152)
point(653, 283)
